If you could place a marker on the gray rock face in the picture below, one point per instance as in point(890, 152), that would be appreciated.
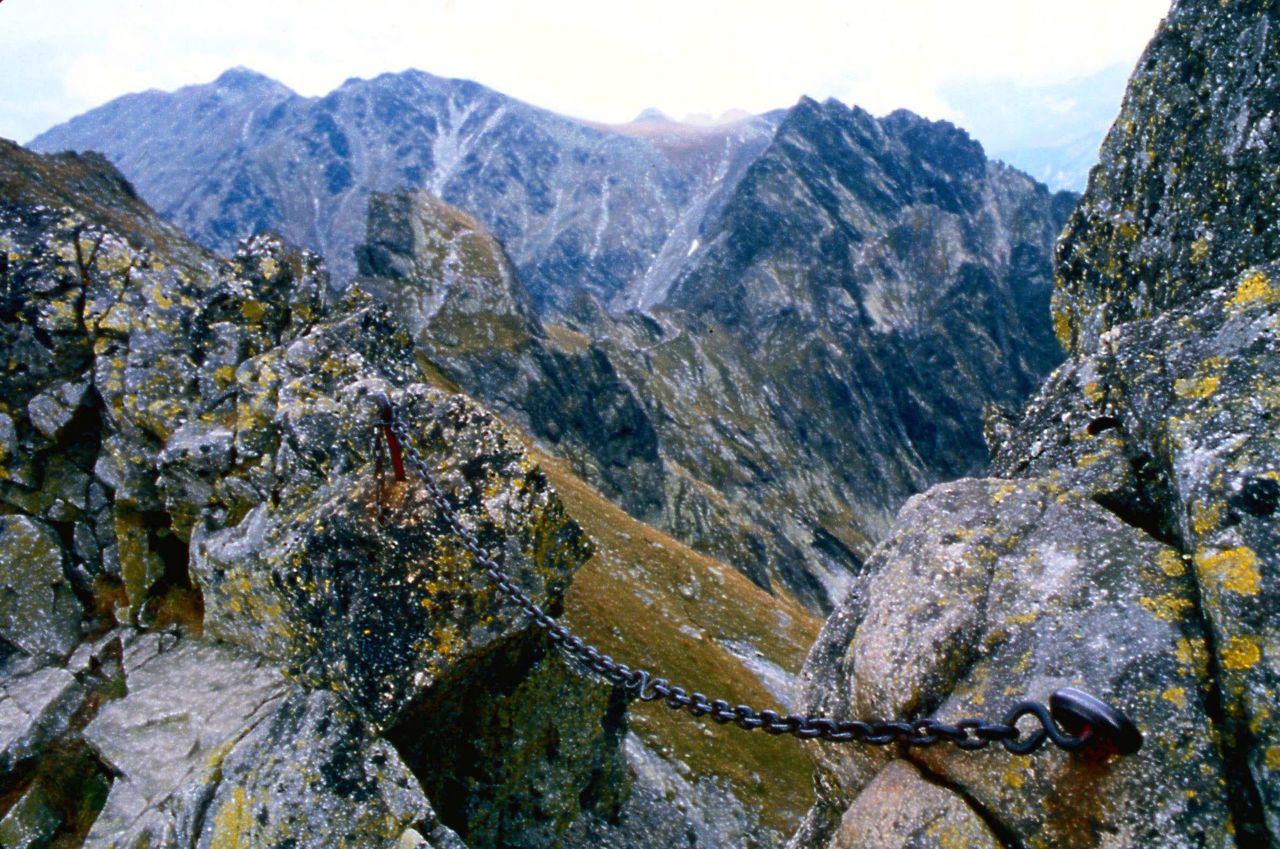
point(39, 612)
point(1135, 553)
point(212, 748)
point(900, 809)
point(990, 592)
point(1183, 199)
point(187, 705)
point(609, 208)
point(314, 775)
point(1188, 452)
point(35, 709)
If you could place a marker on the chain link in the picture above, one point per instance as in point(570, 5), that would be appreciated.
point(967, 734)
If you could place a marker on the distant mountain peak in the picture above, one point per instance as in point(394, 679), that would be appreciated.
point(653, 115)
point(245, 79)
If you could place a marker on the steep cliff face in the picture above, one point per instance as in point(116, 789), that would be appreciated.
point(579, 206)
point(1184, 197)
point(474, 327)
point(1129, 545)
point(828, 351)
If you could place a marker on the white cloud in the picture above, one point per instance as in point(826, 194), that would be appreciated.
point(603, 60)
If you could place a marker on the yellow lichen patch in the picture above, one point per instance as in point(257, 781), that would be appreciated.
point(220, 752)
point(1170, 562)
point(1175, 696)
point(1167, 608)
point(1062, 328)
point(1235, 570)
point(1197, 388)
point(1254, 287)
point(233, 821)
point(1015, 774)
point(1003, 492)
point(1191, 653)
point(253, 310)
point(1199, 249)
point(1260, 717)
point(1241, 653)
point(160, 298)
point(1205, 517)
point(1273, 757)
point(1088, 460)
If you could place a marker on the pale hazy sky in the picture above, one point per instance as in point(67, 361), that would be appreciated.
point(599, 59)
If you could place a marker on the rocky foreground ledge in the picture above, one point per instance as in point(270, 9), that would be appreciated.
point(1128, 541)
point(222, 621)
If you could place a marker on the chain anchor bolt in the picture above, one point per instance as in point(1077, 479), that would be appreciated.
point(1094, 721)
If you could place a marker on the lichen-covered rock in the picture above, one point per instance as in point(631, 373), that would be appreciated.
point(900, 809)
point(120, 334)
point(30, 823)
point(1189, 401)
point(557, 772)
point(1184, 197)
point(312, 775)
point(39, 613)
point(348, 578)
point(989, 592)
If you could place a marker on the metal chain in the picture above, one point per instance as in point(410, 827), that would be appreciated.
point(967, 734)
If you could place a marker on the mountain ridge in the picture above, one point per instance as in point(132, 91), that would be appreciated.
point(767, 313)
point(468, 144)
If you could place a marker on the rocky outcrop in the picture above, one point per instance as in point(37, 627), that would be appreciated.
point(1183, 198)
point(992, 591)
point(230, 624)
point(1129, 545)
point(472, 320)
